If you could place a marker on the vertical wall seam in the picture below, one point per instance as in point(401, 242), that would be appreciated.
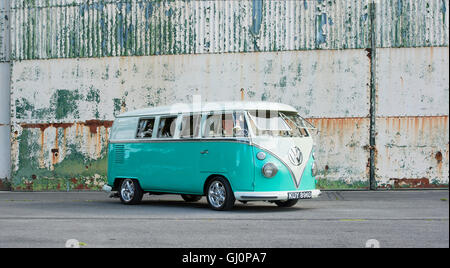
point(373, 94)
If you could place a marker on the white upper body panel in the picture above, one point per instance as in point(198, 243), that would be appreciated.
point(210, 107)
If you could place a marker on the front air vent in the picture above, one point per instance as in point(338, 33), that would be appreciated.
point(119, 153)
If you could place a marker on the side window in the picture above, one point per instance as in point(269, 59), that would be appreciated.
point(166, 128)
point(225, 125)
point(240, 125)
point(213, 126)
point(190, 125)
point(145, 128)
point(124, 128)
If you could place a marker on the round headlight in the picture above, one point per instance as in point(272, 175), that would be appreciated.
point(269, 170)
point(314, 169)
point(261, 155)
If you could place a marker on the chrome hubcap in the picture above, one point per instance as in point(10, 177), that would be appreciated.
point(216, 194)
point(127, 190)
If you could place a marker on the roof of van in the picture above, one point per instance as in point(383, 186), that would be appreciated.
point(210, 106)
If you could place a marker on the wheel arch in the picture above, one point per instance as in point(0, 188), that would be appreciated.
point(211, 177)
point(118, 181)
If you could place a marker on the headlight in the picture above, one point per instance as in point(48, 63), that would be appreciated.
point(269, 170)
point(313, 169)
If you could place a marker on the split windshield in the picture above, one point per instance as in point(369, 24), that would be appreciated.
point(277, 124)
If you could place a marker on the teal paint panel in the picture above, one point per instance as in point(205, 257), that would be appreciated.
point(179, 167)
point(308, 181)
point(282, 181)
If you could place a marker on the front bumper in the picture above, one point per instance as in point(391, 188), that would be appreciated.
point(268, 196)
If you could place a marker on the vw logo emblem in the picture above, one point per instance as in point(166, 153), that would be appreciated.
point(295, 155)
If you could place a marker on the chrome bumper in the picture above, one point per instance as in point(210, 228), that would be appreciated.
point(268, 196)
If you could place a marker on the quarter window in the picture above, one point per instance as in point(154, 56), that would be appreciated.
point(145, 128)
point(166, 127)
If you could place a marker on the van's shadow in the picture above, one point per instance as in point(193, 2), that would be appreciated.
point(251, 207)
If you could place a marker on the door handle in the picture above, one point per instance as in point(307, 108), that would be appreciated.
point(204, 152)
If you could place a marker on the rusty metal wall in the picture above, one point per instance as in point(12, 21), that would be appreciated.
point(78, 63)
point(97, 28)
point(5, 151)
point(4, 31)
point(412, 23)
point(412, 117)
point(56, 142)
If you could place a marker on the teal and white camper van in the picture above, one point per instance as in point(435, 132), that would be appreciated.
point(226, 151)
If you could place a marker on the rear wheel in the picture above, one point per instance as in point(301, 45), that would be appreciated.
point(219, 194)
point(286, 203)
point(191, 198)
point(130, 192)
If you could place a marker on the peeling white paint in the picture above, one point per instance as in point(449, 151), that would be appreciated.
point(412, 115)
point(320, 84)
point(304, 79)
point(413, 81)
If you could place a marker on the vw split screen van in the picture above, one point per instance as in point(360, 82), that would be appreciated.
point(226, 151)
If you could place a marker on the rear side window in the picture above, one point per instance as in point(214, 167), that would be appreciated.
point(124, 128)
point(145, 128)
point(166, 128)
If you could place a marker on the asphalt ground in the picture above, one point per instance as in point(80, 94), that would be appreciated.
point(336, 219)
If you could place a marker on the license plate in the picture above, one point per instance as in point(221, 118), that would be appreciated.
point(300, 195)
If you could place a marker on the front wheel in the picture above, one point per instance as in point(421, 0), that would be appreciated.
point(219, 194)
point(130, 192)
point(286, 203)
point(191, 198)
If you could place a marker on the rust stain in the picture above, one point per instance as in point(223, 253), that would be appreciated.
point(3, 186)
point(98, 145)
point(415, 183)
point(95, 124)
point(77, 129)
point(106, 134)
point(62, 125)
point(41, 159)
point(42, 127)
point(438, 157)
point(92, 124)
point(65, 141)
point(416, 126)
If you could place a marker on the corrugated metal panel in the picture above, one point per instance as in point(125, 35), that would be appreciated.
point(412, 23)
point(96, 28)
point(4, 31)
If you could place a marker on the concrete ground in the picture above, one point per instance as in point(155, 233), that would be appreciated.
point(336, 219)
